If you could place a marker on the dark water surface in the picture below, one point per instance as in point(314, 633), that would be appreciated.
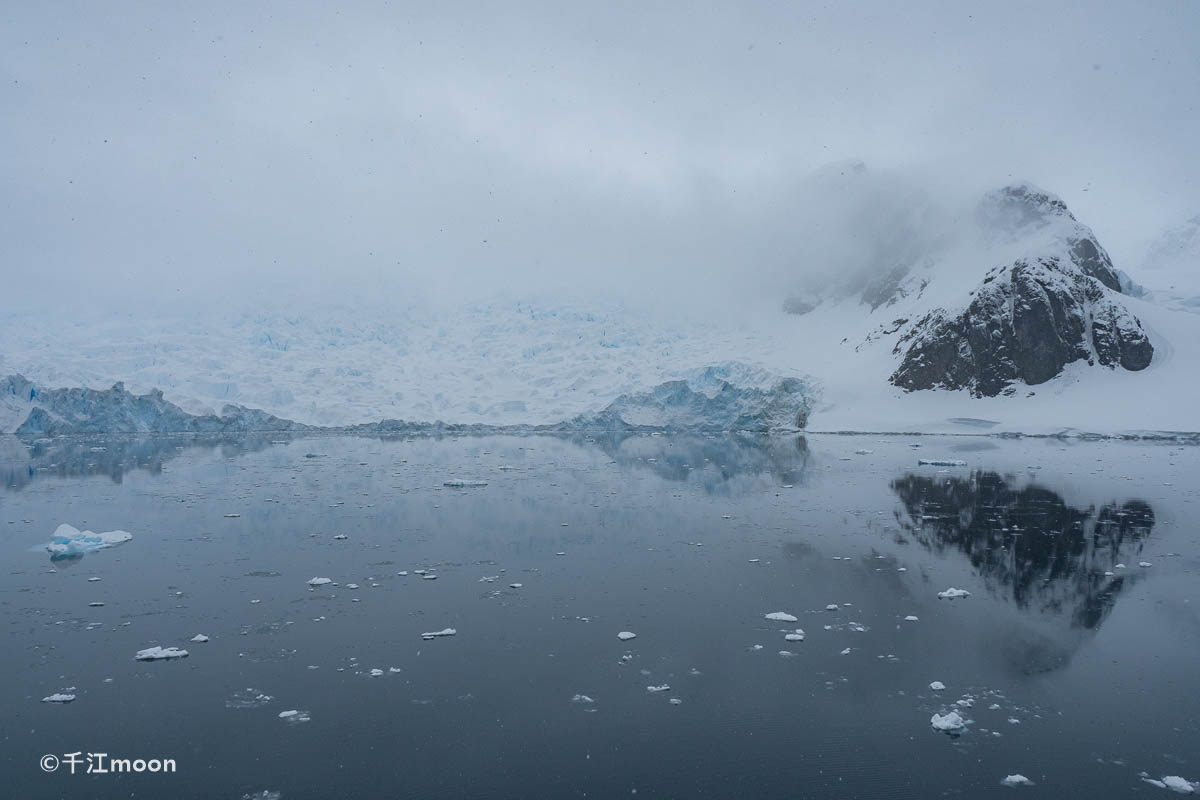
point(1074, 677)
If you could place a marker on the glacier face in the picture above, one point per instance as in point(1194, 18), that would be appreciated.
point(726, 397)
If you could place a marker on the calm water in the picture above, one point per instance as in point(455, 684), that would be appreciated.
point(1075, 678)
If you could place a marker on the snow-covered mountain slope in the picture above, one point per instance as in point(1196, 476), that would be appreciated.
point(1170, 271)
point(522, 361)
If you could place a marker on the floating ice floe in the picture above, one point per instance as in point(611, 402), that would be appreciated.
point(59, 697)
point(582, 698)
point(663, 688)
point(911, 618)
point(70, 541)
point(294, 716)
point(1144, 564)
point(863, 452)
point(941, 462)
point(952, 594)
point(160, 653)
point(831, 607)
point(199, 637)
point(675, 701)
point(1180, 785)
point(948, 722)
point(797, 636)
point(375, 673)
point(786, 653)
point(439, 634)
point(515, 585)
point(625, 636)
point(457, 484)
point(1016, 780)
point(937, 686)
point(845, 652)
point(781, 616)
point(319, 581)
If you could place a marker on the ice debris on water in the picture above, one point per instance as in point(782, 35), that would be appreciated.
point(59, 697)
point(582, 698)
point(781, 616)
point(952, 594)
point(948, 722)
point(319, 581)
point(937, 686)
point(199, 637)
point(910, 618)
point(625, 636)
point(663, 688)
point(1016, 780)
point(70, 541)
point(160, 653)
point(459, 484)
point(941, 462)
point(796, 636)
point(1180, 785)
point(294, 716)
point(439, 634)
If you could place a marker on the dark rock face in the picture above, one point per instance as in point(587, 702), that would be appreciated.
point(1025, 323)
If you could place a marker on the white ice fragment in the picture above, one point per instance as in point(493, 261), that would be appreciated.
point(675, 701)
point(941, 462)
point(798, 636)
point(319, 581)
point(910, 618)
point(341, 537)
point(952, 593)
point(351, 585)
point(1178, 784)
point(59, 697)
point(294, 715)
point(937, 686)
point(786, 653)
point(1144, 564)
point(1119, 566)
point(582, 698)
point(663, 688)
point(199, 637)
point(70, 541)
point(429, 576)
point(1016, 780)
point(831, 607)
point(158, 653)
point(950, 721)
point(625, 636)
point(781, 616)
point(515, 585)
point(845, 652)
point(460, 484)
point(438, 634)
point(375, 673)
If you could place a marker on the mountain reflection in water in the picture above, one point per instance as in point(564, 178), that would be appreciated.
point(1027, 544)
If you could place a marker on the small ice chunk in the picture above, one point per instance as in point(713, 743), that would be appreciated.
point(515, 585)
point(294, 715)
point(351, 585)
point(1178, 784)
point(439, 634)
point(1118, 566)
point(937, 686)
point(831, 607)
point(786, 653)
point(582, 698)
point(159, 653)
point(341, 537)
point(429, 576)
point(663, 688)
point(675, 701)
point(910, 618)
point(59, 697)
point(375, 673)
point(460, 484)
point(949, 722)
point(952, 593)
point(319, 581)
point(941, 462)
point(199, 637)
point(1016, 780)
point(781, 616)
point(1145, 564)
point(625, 636)
point(845, 652)
point(798, 636)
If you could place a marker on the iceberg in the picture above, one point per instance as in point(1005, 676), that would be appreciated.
point(70, 542)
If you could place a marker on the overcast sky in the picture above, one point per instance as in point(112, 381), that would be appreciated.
point(167, 148)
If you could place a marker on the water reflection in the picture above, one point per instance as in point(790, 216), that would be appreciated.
point(713, 462)
point(23, 461)
point(1027, 544)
